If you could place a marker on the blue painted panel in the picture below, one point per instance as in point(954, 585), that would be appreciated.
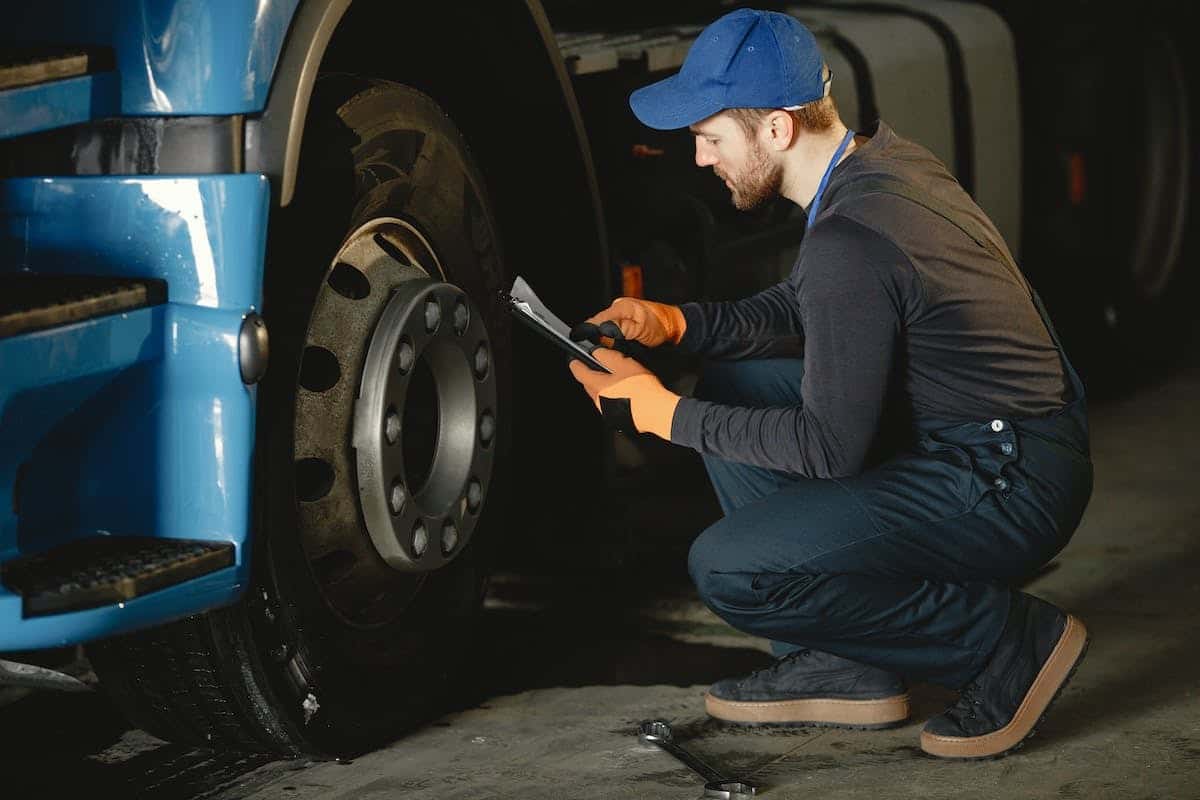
point(135, 423)
point(173, 56)
point(29, 109)
point(159, 450)
point(204, 235)
point(52, 376)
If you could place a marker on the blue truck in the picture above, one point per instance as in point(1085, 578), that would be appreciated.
point(265, 425)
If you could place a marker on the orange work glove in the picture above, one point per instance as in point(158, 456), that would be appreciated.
point(644, 321)
point(631, 398)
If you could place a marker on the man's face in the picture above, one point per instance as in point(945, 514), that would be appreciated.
point(741, 161)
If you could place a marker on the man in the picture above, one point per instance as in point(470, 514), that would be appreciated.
point(894, 433)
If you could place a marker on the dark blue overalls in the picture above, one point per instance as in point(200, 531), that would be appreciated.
point(909, 565)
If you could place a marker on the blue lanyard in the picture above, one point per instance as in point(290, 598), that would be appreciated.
point(816, 201)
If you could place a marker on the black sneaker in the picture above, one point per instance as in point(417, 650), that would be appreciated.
point(809, 687)
point(996, 712)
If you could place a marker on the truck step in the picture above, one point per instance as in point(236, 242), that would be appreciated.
point(30, 302)
point(24, 66)
point(42, 88)
point(103, 570)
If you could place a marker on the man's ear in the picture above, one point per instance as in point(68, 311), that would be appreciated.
point(779, 130)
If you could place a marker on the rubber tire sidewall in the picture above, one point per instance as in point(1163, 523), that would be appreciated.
point(368, 684)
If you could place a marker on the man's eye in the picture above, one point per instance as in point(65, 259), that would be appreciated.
point(713, 141)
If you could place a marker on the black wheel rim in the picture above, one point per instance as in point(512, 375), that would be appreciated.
point(373, 533)
point(419, 522)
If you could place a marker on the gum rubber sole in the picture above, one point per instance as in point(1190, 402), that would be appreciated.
point(1053, 677)
point(820, 712)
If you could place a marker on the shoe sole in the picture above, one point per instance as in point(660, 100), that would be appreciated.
point(1053, 677)
point(821, 712)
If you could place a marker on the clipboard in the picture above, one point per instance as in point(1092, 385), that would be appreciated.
point(531, 311)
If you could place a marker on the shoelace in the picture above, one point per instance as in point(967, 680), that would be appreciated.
point(967, 702)
point(777, 665)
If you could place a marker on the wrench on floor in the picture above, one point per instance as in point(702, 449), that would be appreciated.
point(716, 785)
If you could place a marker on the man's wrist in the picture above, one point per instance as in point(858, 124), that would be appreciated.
point(654, 411)
point(676, 324)
point(670, 318)
point(692, 337)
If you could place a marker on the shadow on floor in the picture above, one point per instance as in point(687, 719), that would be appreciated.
point(586, 629)
point(1149, 660)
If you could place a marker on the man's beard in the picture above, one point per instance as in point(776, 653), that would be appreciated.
point(759, 183)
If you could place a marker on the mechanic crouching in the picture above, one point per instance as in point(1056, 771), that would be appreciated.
point(894, 433)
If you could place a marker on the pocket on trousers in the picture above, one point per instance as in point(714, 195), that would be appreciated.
point(951, 464)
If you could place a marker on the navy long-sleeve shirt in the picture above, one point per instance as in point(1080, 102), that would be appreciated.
point(883, 293)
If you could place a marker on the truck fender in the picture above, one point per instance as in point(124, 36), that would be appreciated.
point(273, 139)
point(458, 60)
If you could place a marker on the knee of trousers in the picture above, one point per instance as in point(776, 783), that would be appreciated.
point(724, 584)
point(710, 573)
point(723, 381)
point(758, 382)
point(738, 594)
point(707, 385)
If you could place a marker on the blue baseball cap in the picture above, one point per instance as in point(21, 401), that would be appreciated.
point(745, 59)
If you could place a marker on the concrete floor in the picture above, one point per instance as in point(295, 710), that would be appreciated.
point(577, 661)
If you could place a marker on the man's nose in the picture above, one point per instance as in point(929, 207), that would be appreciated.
point(704, 155)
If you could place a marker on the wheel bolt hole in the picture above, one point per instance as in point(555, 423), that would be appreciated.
point(349, 282)
point(319, 369)
point(482, 361)
point(449, 538)
point(474, 495)
point(487, 427)
point(420, 539)
point(433, 315)
point(406, 354)
point(391, 426)
point(314, 479)
point(394, 252)
point(397, 496)
point(462, 317)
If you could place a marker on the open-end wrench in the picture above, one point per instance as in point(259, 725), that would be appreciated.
point(716, 785)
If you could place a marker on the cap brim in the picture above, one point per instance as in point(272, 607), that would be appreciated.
point(668, 104)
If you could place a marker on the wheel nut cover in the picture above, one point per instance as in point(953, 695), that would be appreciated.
point(401, 519)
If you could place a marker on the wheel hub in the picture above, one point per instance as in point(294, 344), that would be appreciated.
point(394, 416)
point(420, 517)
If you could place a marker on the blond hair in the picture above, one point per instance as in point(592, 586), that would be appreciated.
point(815, 117)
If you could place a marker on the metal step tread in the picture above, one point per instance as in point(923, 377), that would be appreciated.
point(24, 66)
point(30, 302)
point(102, 570)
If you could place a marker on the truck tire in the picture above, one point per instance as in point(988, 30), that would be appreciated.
point(343, 638)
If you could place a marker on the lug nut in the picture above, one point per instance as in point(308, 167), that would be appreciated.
point(391, 426)
point(420, 539)
point(397, 497)
point(433, 315)
point(474, 495)
point(482, 361)
point(461, 317)
point(406, 356)
point(449, 538)
point(487, 427)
